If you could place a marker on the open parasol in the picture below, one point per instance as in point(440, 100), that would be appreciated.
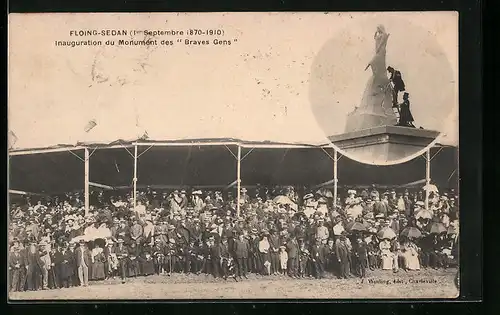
point(355, 227)
point(437, 228)
point(386, 233)
point(411, 232)
point(284, 200)
point(325, 193)
point(430, 188)
point(423, 214)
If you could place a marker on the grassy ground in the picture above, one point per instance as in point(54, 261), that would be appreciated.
point(378, 284)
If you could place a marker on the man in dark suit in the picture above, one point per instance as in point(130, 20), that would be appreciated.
point(122, 252)
point(274, 243)
point(408, 204)
point(83, 261)
point(405, 117)
point(123, 231)
point(33, 265)
point(16, 266)
point(397, 82)
point(65, 261)
point(241, 248)
point(318, 259)
point(215, 254)
point(344, 256)
point(224, 257)
point(292, 248)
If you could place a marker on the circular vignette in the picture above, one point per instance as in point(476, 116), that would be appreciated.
point(337, 77)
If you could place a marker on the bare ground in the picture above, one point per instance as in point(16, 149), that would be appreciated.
point(379, 284)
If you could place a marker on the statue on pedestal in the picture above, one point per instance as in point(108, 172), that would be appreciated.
point(376, 105)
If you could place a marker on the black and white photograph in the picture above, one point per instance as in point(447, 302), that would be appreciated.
point(286, 155)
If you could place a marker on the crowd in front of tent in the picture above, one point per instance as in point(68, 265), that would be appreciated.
point(279, 232)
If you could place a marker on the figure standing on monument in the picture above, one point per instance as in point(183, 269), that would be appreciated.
point(405, 116)
point(398, 84)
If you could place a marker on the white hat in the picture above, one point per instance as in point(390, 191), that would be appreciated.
point(308, 196)
point(420, 203)
point(351, 191)
point(197, 192)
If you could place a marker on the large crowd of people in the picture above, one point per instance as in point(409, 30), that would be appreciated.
point(278, 231)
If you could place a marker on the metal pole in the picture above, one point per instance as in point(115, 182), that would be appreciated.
point(135, 176)
point(427, 176)
point(238, 179)
point(87, 180)
point(335, 177)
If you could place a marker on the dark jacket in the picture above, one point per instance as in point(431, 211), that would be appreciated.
point(241, 248)
point(318, 253)
point(66, 262)
point(362, 251)
point(292, 248)
point(397, 79)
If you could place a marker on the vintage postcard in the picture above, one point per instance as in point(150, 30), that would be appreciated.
point(233, 156)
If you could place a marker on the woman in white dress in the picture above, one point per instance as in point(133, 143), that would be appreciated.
point(386, 254)
point(411, 256)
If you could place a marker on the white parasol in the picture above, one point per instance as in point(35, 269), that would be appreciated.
point(423, 214)
point(284, 200)
point(354, 211)
point(430, 188)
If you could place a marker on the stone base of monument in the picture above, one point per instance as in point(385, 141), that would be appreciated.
point(359, 119)
point(384, 144)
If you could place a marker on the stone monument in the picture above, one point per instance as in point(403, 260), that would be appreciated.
point(376, 105)
point(371, 132)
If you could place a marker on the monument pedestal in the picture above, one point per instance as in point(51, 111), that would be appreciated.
point(384, 144)
point(360, 119)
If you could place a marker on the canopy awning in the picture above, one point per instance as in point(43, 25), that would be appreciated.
point(211, 162)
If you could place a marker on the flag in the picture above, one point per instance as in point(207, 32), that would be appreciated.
point(90, 125)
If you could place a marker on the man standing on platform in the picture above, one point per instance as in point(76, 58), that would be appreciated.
point(405, 116)
point(397, 83)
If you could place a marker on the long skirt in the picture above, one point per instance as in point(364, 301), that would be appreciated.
point(133, 268)
point(98, 271)
point(148, 267)
point(387, 260)
point(412, 261)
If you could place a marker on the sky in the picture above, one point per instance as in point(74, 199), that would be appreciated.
point(288, 77)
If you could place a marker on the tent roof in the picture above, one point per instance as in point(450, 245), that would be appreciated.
point(209, 163)
point(146, 142)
